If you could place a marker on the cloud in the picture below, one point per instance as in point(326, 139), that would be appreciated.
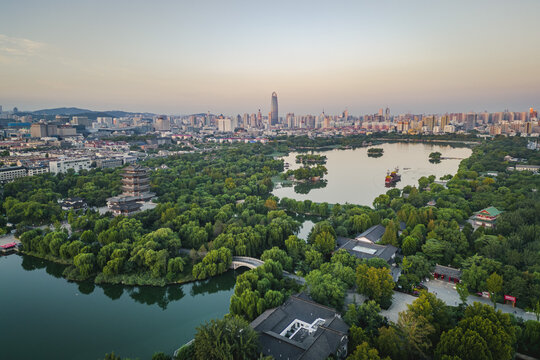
point(11, 47)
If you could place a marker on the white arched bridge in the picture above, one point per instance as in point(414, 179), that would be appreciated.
point(249, 262)
point(252, 263)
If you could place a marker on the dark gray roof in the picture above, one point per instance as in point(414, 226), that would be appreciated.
point(447, 271)
point(373, 234)
point(355, 247)
point(325, 340)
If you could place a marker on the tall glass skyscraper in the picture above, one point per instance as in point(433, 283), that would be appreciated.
point(274, 113)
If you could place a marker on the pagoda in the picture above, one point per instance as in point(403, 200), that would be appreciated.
point(135, 182)
point(136, 190)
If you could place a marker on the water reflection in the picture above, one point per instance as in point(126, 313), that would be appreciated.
point(31, 263)
point(308, 222)
point(113, 292)
point(306, 187)
point(160, 296)
point(86, 287)
point(209, 286)
point(149, 295)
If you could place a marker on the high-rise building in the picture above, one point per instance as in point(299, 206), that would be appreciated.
point(224, 124)
point(162, 123)
point(41, 129)
point(444, 121)
point(429, 122)
point(81, 120)
point(274, 113)
point(259, 119)
point(290, 120)
point(105, 121)
point(470, 121)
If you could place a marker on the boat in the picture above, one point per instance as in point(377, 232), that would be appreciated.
point(392, 177)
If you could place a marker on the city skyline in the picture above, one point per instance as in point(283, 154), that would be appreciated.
point(187, 58)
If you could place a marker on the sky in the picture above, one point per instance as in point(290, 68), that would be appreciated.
point(182, 57)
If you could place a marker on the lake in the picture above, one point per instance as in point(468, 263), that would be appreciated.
point(46, 317)
point(355, 178)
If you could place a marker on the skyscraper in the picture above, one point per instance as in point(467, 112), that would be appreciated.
point(274, 112)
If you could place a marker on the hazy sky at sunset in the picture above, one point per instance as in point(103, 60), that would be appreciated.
point(228, 56)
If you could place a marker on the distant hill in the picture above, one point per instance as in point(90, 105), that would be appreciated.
point(62, 111)
point(73, 111)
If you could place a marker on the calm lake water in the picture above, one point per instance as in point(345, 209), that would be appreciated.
point(46, 317)
point(355, 178)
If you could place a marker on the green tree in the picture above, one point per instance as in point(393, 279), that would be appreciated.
point(463, 292)
point(416, 332)
point(326, 289)
point(161, 356)
point(321, 227)
point(494, 285)
point(376, 284)
point(364, 352)
point(480, 322)
point(314, 259)
point(435, 312)
point(465, 344)
point(214, 263)
point(230, 338)
point(367, 316)
point(390, 234)
point(280, 256)
point(325, 242)
point(390, 343)
point(409, 246)
point(295, 247)
point(529, 341)
point(85, 263)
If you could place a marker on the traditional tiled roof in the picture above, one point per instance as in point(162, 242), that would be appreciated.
point(447, 271)
point(373, 234)
point(329, 335)
point(490, 211)
point(366, 250)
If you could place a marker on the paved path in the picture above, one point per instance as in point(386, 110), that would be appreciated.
point(443, 290)
point(399, 303)
point(447, 292)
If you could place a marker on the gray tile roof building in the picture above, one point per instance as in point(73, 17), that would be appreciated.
point(301, 329)
point(366, 250)
point(373, 234)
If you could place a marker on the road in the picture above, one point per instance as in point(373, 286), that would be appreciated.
point(447, 292)
point(443, 290)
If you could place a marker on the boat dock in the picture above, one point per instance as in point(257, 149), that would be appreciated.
point(9, 244)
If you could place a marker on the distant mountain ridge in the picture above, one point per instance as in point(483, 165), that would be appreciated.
point(74, 111)
point(62, 111)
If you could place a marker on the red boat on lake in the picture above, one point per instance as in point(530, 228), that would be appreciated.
point(392, 177)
